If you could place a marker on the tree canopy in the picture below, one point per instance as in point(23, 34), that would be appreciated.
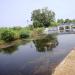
point(68, 21)
point(42, 17)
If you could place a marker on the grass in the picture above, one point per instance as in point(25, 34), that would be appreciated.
point(33, 33)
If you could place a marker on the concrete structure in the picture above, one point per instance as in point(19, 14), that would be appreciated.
point(51, 30)
point(66, 27)
point(67, 66)
point(62, 28)
point(46, 31)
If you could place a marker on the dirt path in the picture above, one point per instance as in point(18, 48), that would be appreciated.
point(67, 66)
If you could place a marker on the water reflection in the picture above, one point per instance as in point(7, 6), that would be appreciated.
point(9, 50)
point(23, 58)
point(13, 48)
point(46, 44)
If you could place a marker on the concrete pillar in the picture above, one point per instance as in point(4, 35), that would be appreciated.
point(58, 28)
point(70, 28)
point(64, 28)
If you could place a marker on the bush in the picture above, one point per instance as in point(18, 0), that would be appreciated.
point(24, 35)
point(37, 32)
point(7, 35)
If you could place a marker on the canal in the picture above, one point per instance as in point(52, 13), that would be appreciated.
point(36, 57)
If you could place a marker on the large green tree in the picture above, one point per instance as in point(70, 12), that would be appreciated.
point(42, 17)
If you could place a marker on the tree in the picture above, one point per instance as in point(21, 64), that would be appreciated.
point(73, 20)
point(67, 21)
point(54, 23)
point(42, 17)
point(60, 21)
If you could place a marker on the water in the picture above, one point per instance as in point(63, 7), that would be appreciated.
point(37, 57)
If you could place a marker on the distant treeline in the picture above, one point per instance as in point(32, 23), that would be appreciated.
point(59, 21)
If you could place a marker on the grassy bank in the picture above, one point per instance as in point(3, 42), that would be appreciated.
point(9, 35)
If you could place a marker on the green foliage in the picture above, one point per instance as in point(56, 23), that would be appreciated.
point(37, 24)
point(7, 35)
point(42, 17)
point(17, 28)
point(67, 27)
point(54, 24)
point(10, 34)
point(60, 21)
point(24, 35)
point(46, 43)
point(73, 20)
point(36, 32)
point(24, 30)
point(67, 21)
point(39, 30)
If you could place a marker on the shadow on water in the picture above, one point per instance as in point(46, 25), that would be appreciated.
point(46, 44)
point(13, 48)
point(9, 50)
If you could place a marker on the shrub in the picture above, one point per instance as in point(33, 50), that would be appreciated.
point(24, 35)
point(7, 35)
point(37, 32)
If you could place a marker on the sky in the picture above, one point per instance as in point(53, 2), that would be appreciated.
point(18, 12)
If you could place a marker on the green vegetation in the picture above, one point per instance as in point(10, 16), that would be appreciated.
point(43, 17)
point(60, 21)
point(24, 35)
point(11, 34)
point(15, 33)
point(40, 18)
point(7, 35)
point(46, 43)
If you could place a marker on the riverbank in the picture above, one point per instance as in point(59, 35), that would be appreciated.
point(67, 66)
point(5, 45)
point(19, 41)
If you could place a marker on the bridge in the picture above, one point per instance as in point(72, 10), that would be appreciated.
point(62, 28)
point(66, 27)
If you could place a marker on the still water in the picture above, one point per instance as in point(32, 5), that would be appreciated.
point(36, 57)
